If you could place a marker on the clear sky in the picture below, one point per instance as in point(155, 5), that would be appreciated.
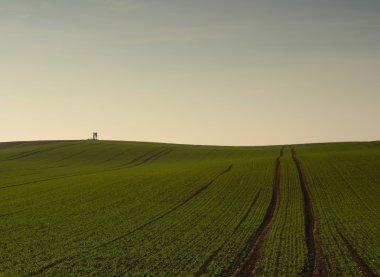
point(240, 72)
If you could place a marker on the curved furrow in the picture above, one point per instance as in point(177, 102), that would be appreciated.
point(315, 263)
point(203, 268)
point(191, 196)
point(256, 241)
point(363, 266)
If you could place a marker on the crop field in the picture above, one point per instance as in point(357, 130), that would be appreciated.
point(109, 208)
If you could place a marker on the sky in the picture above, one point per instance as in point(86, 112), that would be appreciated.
point(218, 72)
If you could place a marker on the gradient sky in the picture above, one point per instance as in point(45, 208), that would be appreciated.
point(240, 72)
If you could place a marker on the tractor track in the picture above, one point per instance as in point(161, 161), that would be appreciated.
point(147, 157)
point(14, 144)
point(255, 243)
point(12, 213)
point(151, 158)
point(70, 156)
point(130, 165)
point(34, 152)
point(192, 195)
point(203, 268)
point(365, 269)
point(315, 262)
point(45, 180)
point(46, 267)
point(115, 156)
point(142, 156)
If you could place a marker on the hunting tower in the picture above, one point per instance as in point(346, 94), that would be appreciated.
point(95, 135)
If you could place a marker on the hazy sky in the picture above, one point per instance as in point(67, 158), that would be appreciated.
point(240, 72)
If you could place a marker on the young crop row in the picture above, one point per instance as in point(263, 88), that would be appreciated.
point(83, 209)
point(141, 209)
point(285, 249)
point(52, 220)
point(233, 248)
point(345, 189)
point(23, 166)
point(183, 239)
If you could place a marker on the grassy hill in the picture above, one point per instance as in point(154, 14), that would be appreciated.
point(108, 208)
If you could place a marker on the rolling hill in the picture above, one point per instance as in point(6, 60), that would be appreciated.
point(110, 208)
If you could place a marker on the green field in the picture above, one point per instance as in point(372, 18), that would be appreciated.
point(108, 208)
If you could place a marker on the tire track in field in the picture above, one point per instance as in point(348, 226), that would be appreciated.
point(34, 152)
point(13, 144)
point(71, 156)
point(256, 241)
point(365, 269)
point(146, 157)
point(46, 267)
point(12, 213)
point(45, 180)
point(142, 156)
point(10, 144)
point(115, 156)
point(192, 195)
point(146, 160)
point(315, 263)
point(203, 268)
point(156, 156)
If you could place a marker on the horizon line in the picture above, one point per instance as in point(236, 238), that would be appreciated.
point(190, 144)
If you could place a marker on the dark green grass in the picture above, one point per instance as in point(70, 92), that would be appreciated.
point(345, 182)
point(84, 207)
point(285, 253)
point(108, 208)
